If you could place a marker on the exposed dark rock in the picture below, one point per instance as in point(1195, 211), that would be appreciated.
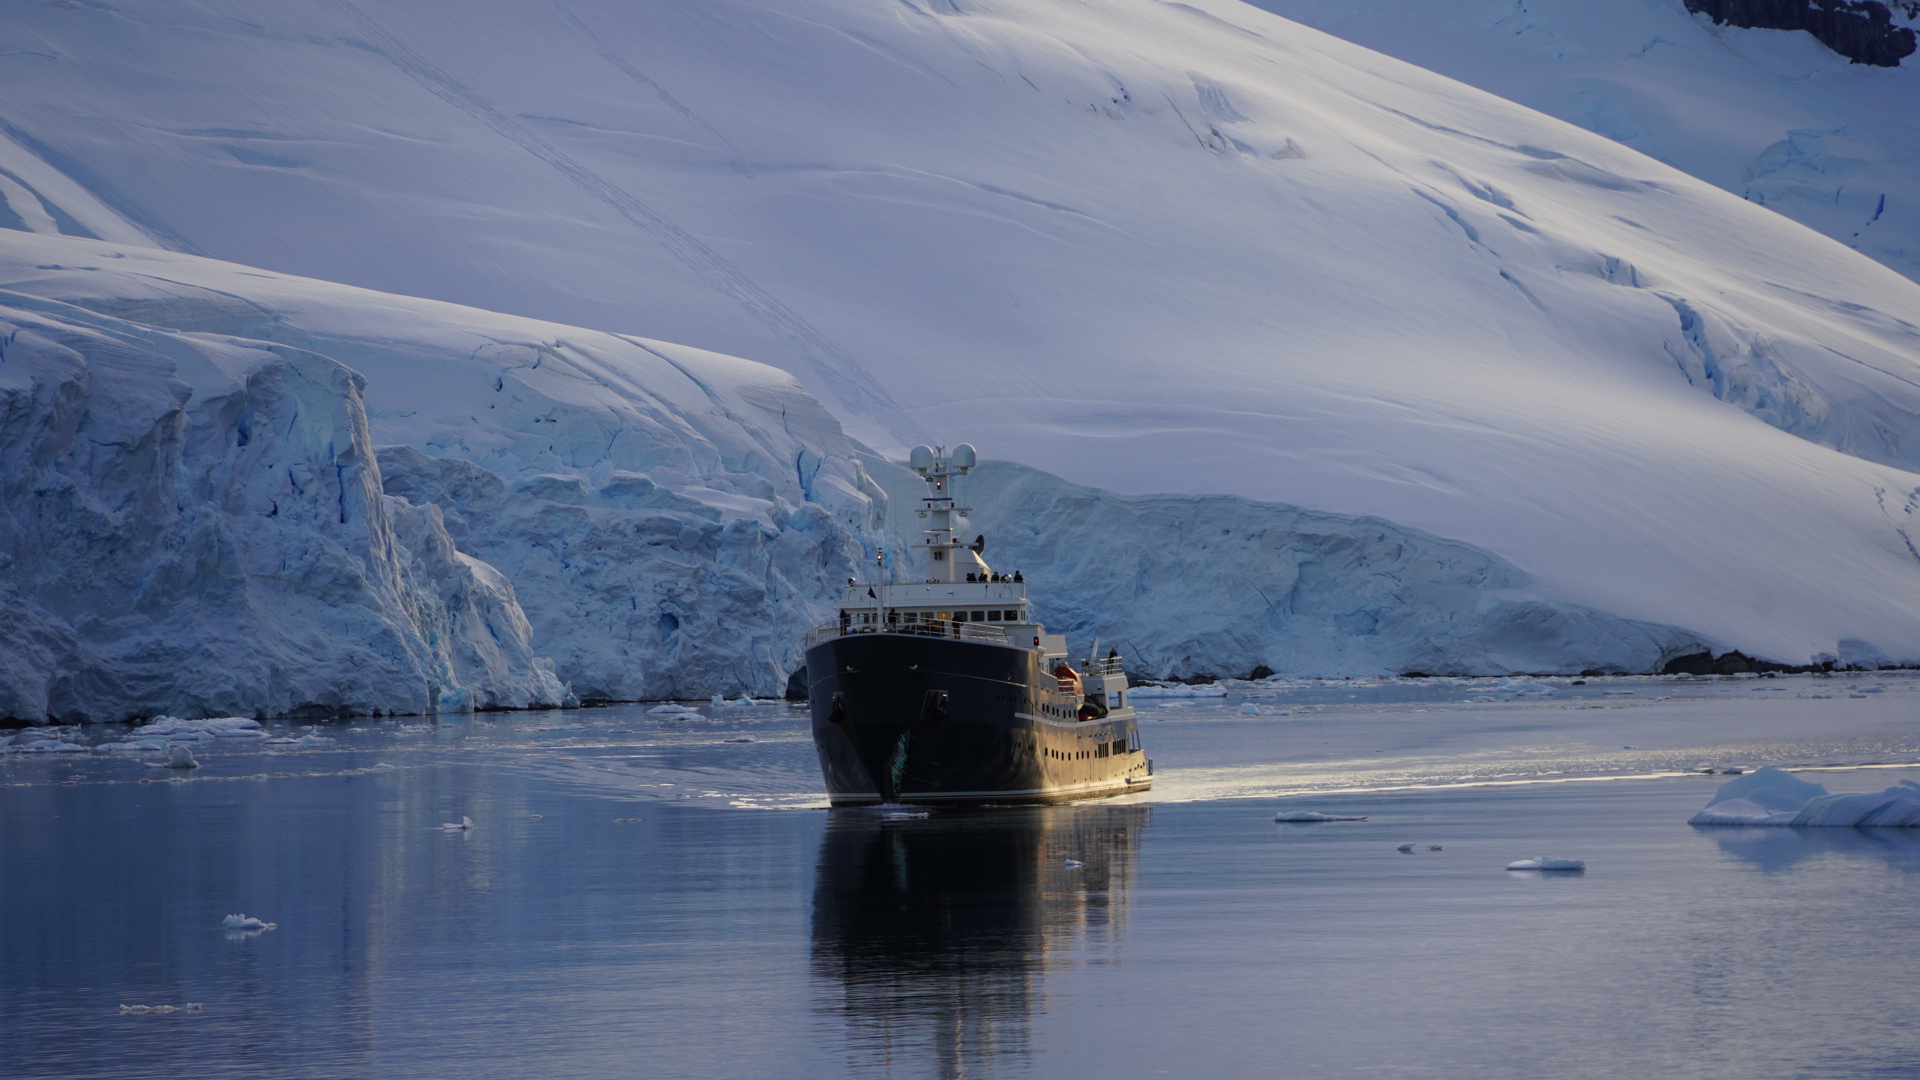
point(1416, 675)
point(1732, 663)
point(1260, 671)
point(1860, 30)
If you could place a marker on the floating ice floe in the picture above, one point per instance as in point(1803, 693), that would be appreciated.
point(191, 1006)
point(1074, 864)
point(1315, 815)
point(1544, 863)
point(1203, 690)
point(246, 922)
point(180, 757)
point(175, 729)
point(131, 746)
point(673, 709)
point(1770, 796)
point(462, 825)
point(741, 738)
point(53, 746)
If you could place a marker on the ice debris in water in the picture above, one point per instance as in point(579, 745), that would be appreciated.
point(903, 815)
point(1770, 796)
point(247, 922)
point(1405, 849)
point(180, 757)
point(462, 825)
point(672, 709)
point(191, 1006)
point(1074, 864)
point(1315, 815)
point(1203, 690)
point(742, 738)
point(1545, 863)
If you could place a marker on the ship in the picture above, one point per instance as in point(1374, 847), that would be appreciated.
point(947, 690)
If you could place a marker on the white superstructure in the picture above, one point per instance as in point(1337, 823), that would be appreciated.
point(960, 593)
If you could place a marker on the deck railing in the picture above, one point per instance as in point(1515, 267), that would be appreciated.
point(1109, 665)
point(959, 631)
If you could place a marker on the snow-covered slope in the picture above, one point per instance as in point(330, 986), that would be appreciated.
point(194, 523)
point(1770, 115)
point(1150, 246)
point(209, 504)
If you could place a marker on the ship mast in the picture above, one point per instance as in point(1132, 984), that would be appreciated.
point(941, 507)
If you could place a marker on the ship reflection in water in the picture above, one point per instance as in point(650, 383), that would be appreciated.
point(932, 937)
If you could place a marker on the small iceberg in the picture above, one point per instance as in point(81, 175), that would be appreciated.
point(246, 922)
point(181, 757)
point(462, 825)
point(1770, 796)
point(672, 709)
point(1314, 815)
point(1074, 864)
point(1544, 863)
point(741, 738)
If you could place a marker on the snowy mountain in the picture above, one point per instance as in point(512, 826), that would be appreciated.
point(1804, 107)
point(1151, 247)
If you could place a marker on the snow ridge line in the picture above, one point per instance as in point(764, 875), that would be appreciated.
point(851, 383)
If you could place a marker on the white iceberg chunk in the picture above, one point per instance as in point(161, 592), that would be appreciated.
point(1770, 796)
point(462, 825)
point(1314, 815)
point(247, 922)
point(1545, 863)
point(180, 757)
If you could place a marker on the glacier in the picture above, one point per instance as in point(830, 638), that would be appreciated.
point(1770, 796)
point(1199, 585)
point(195, 518)
point(1154, 248)
point(193, 523)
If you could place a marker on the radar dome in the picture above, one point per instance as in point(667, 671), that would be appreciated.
point(963, 457)
point(920, 458)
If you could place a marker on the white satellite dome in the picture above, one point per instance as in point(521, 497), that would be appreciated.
point(920, 458)
point(963, 457)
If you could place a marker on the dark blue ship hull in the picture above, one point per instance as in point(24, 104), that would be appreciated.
point(900, 717)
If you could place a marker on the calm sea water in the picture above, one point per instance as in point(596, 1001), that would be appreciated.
point(643, 898)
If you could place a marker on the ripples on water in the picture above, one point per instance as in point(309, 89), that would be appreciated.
point(627, 906)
